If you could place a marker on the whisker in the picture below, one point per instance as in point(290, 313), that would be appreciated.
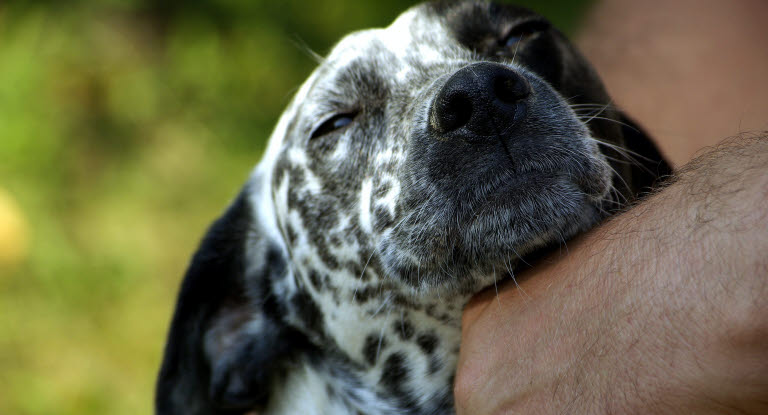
point(514, 54)
point(495, 285)
point(598, 113)
point(519, 257)
point(619, 161)
point(625, 152)
point(381, 307)
point(302, 46)
point(629, 155)
point(622, 181)
point(354, 295)
point(526, 297)
point(595, 117)
point(381, 334)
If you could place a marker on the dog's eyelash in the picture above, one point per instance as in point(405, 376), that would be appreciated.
point(335, 122)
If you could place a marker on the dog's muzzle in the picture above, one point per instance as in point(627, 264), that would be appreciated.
point(479, 102)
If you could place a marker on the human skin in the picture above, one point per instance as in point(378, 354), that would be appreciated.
point(664, 309)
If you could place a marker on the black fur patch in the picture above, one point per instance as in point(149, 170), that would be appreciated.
point(374, 344)
point(242, 380)
point(394, 373)
point(427, 342)
point(213, 363)
point(404, 329)
point(435, 364)
point(394, 378)
point(368, 293)
point(316, 280)
point(480, 26)
point(214, 278)
point(308, 311)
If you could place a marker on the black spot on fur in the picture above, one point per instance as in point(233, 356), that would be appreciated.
point(359, 236)
point(272, 306)
point(308, 312)
point(297, 177)
point(434, 311)
point(394, 373)
point(366, 293)
point(373, 345)
point(315, 279)
point(394, 378)
point(427, 342)
point(356, 269)
point(403, 328)
point(382, 218)
point(290, 233)
point(322, 212)
point(324, 285)
point(281, 171)
point(435, 364)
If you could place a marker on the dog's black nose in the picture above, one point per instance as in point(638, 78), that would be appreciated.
point(483, 99)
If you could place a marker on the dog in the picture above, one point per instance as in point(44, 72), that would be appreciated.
point(417, 165)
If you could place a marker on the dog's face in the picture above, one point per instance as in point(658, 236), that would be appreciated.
point(441, 148)
point(418, 160)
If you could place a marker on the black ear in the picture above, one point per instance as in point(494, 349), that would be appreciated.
point(226, 343)
point(648, 166)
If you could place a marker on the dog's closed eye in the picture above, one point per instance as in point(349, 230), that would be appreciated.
point(522, 32)
point(335, 122)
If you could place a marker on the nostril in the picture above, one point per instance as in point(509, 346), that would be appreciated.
point(510, 88)
point(452, 112)
point(479, 100)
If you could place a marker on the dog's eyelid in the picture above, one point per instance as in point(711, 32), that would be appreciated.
point(523, 30)
point(334, 122)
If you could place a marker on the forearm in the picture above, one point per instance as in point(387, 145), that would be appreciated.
point(691, 280)
point(660, 310)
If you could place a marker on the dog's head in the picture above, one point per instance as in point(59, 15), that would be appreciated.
point(418, 159)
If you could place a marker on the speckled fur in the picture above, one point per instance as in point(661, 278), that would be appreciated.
point(361, 247)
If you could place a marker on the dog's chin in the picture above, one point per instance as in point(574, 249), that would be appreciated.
point(468, 251)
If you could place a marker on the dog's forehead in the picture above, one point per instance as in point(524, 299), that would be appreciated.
point(412, 32)
point(416, 36)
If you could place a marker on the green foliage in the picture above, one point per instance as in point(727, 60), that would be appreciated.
point(125, 127)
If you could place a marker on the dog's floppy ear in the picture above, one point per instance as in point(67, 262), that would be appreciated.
point(226, 342)
point(648, 166)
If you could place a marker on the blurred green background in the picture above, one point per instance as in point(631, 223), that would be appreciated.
point(125, 128)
